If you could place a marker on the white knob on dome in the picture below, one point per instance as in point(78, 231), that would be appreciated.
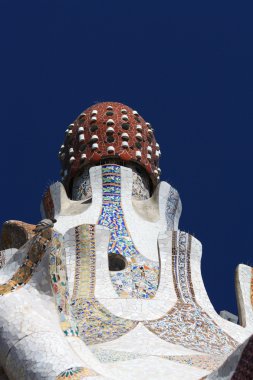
point(110, 122)
point(125, 144)
point(110, 130)
point(110, 149)
point(125, 136)
point(94, 146)
point(94, 138)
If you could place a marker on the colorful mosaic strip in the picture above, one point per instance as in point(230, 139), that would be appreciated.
point(181, 267)
point(85, 262)
point(95, 323)
point(110, 356)
point(207, 362)
point(171, 207)
point(140, 278)
point(186, 323)
point(59, 281)
point(35, 253)
point(76, 373)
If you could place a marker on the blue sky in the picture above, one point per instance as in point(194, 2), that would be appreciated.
point(186, 66)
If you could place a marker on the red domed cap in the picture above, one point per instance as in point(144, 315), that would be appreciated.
point(109, 130)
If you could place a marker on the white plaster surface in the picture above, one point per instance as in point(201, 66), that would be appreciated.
point(235, 331)
point(32, 344)
point(153, 368)
point(40, 355)
point(166, 290)
point(14, 262)
point(8, 254)
point(243, 287)
point(141, 340)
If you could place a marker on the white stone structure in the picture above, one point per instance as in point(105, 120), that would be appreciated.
point(114, 289)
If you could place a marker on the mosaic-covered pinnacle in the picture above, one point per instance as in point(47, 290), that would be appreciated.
point(109, 130)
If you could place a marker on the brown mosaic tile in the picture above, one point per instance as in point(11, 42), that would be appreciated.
point(48, 204)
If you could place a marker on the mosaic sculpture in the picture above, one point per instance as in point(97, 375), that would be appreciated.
point(106, 286)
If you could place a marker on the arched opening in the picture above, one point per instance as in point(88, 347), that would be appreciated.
point(116, 262)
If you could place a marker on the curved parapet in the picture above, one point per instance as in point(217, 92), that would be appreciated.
point(244, 293)
point(70, 213)
point(164, 206)
point(15, 234)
